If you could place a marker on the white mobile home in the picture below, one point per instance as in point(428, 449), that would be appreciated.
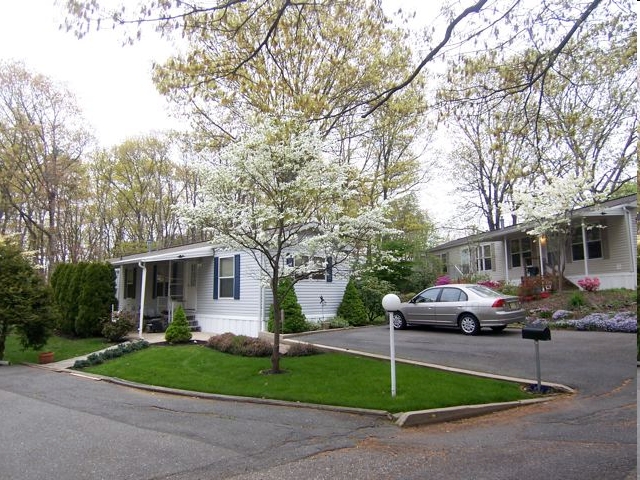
point(602, 244)
point(220, 290)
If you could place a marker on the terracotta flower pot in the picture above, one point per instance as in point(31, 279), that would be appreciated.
point(45, 357)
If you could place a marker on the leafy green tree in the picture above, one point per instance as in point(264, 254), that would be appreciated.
point(67, 287)
point(25, 300)
point(498, 27)
point(352, 308)
point(395, 263)
point(371, 290)
point(294, 320)
point(178, 330)
point(97, 296)
point(60, 283)
point(401, 257)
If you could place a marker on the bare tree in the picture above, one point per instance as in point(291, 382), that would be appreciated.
point(42, 142)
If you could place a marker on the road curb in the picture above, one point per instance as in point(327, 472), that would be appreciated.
point(448, 414)
point(402, 419)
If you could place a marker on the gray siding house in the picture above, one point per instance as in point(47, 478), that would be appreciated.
point(602, 244)
point(220, 290)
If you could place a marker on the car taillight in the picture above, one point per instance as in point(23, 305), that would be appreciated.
point(498, 303)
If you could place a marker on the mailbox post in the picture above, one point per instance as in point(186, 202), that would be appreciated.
point(537, 333)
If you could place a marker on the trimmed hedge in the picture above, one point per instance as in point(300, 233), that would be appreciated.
point(84, 294)
point(118, 351)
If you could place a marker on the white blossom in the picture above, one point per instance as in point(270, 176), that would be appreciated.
point(275, 192)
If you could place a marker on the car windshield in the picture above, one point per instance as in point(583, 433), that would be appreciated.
point(483, 291)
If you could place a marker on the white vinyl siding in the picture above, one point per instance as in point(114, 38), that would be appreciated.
point(221, 315)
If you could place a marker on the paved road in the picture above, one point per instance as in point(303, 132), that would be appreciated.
point(56, 425)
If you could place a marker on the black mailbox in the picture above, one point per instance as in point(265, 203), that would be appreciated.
point(536, 333)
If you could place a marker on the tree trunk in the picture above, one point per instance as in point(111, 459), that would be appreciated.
point(277, 328)
point(278, 320)
point(4, 330)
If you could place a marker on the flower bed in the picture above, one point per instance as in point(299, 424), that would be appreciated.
point(626, 322)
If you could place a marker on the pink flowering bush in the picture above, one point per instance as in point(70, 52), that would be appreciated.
point(490, 284)
point(589, 284)
point(443, 280)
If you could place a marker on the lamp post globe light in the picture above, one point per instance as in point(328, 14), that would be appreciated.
point(391, 303)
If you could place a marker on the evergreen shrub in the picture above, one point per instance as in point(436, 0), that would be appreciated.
point(352, 308)
point(97, 295)
point(178, 331)
point(294, 320)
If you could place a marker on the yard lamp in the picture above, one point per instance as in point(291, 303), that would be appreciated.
point(391, 303)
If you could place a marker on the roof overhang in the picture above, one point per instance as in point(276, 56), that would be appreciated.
point(175, 254)
point(617, 211)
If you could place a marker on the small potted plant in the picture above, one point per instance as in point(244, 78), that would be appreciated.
point(45, 357)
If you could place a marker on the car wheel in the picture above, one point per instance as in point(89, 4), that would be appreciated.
point(469, 324)
point(499, 328)
point(399, 322)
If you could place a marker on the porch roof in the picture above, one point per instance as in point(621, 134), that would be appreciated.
point(197, 250)
point(611, 208)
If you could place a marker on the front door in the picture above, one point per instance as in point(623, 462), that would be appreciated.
point(190, 285)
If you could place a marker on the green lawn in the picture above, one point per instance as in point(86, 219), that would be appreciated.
point(63, 348)
point(329, 378)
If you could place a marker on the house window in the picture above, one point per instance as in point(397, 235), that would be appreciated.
point(318, 266)
point(161, 282)
point(130, 282)
point(516, 259)
point(444, 262)
point(525, 247)
point(520, 252)
point(483, 258)
point(594, 243)
point(465, 261)
point(226, 277)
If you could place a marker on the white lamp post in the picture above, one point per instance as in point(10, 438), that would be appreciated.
point(391, 303)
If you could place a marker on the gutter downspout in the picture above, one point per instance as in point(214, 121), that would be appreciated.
point(630, 235)
point(540, 241)
point(506, 260)
point(585, 249)
point(142, 295)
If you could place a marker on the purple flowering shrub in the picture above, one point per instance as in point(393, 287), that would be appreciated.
point(626, 322)
point(589, 284)
point(443, 280)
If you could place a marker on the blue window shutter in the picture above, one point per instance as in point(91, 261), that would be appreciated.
point(215, 278)
point(236, 277)
point(329, 269)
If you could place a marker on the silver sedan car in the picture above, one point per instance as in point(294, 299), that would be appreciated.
point(468, 307)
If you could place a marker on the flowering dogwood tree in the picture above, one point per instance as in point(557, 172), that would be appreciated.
point(272, 194)
point(548, 209)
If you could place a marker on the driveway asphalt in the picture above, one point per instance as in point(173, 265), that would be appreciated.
point(590, 362)
point(94, 429)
